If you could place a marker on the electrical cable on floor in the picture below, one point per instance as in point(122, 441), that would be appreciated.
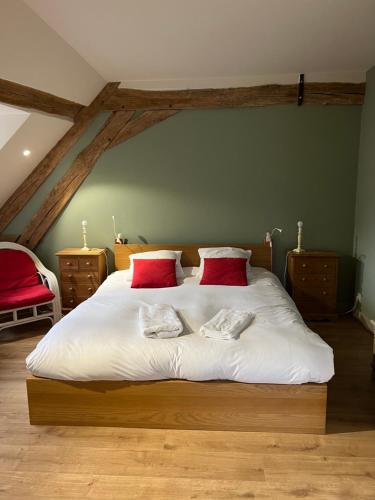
point(286, 268)
point(353, 309)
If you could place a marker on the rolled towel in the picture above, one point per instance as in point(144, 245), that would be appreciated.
point(227, 324)
point(159, 321)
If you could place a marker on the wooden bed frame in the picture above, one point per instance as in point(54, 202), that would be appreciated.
point(261, 254)
point(180, 404)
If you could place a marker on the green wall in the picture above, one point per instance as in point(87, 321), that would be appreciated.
point(221, 175)
point(364, 242)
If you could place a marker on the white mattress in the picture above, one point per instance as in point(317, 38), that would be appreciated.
point(100, 339)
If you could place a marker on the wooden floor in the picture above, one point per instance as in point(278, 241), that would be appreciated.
point(102, 463)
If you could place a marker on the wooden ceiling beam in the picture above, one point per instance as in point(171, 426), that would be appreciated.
point(202, 98)
point(262, 95)
point(334, 93)
point(157, 106)
point(31, 184)
point(64, 190)
point(23, 96)
point(137, 125)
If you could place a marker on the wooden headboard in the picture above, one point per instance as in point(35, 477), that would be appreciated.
point(261, 257)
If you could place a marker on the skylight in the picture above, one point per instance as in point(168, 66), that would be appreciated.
point(11, 120)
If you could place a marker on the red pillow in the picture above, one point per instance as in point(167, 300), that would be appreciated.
point(224, 271)
point(154, 273)
point(17, 270)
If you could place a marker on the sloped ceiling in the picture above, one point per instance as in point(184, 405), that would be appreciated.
point(33, 54)
point(196, 43)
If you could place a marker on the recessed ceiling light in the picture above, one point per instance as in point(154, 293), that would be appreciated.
point(26, 152)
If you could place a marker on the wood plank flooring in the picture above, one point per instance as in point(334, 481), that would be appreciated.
point(133, 464)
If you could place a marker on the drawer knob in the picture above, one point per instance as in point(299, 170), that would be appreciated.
point(70, 288)
point(89, 289)
point(325, 266)
point(70, 275)
point(87, 263)
point(324, 292)
point(67, 263)
point(324, 279)
point(89, 276)
point(304, 265)
point(303, 279)
point(71, 301)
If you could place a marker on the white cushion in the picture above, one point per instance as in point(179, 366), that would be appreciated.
point(158, 254)
point(220, 252)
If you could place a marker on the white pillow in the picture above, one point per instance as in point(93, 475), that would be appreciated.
point(158, 254)
point(220, 252)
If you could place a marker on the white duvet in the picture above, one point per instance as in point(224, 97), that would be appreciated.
point(101, 340)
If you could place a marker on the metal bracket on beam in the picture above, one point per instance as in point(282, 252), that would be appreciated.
point(301, 88)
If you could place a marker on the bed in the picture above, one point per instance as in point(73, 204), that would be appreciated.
point(94, 368)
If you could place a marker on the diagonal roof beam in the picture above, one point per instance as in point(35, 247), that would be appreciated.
point(137, 125)
point(64, 190)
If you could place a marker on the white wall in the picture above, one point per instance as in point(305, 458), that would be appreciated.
point(33, 54)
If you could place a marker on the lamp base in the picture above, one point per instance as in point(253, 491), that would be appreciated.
point(298, 250)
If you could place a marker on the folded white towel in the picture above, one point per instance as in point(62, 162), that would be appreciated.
point(227, 324)
point(159, 321)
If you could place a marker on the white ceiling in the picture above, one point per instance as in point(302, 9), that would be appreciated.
point(187, 43)
point(33, 54)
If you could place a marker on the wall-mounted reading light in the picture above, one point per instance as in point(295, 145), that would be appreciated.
point(26, 152)
point(118, 236)
point(270, 234)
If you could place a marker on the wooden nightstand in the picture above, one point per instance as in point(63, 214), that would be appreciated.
point(312, 283)
point(81, 273)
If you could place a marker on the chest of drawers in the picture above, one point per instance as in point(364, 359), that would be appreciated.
point(312, 283)
point(81, 273)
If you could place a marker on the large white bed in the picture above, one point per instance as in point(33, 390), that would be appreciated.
point(95, 368)
point(101, 340)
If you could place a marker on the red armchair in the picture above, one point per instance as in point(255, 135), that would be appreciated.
point(28, 291)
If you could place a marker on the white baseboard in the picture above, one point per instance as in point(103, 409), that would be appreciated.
point(368, 323)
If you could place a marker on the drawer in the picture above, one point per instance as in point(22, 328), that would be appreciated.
point(314, 280)
point(314, 265)
point(317, 307)
point(319, 293)
point(81, 290)
point(69, 263)
point(80, 277)
point(90, 263)
point(70, 301)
